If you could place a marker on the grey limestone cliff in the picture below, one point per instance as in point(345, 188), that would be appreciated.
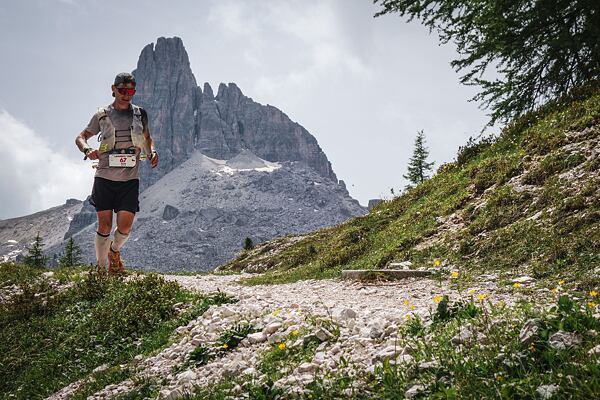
point(86, 216)
point(167, 89)
point(197, 216)
point(17, 234)
point(185, 117)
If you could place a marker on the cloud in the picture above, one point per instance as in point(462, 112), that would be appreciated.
point(33, 177)
point(69, 2)
point(294, 46)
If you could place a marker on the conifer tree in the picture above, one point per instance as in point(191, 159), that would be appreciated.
point(72, 256)
point(35, 257)
point(540, 49)
point(248, 244)
point(418, 165)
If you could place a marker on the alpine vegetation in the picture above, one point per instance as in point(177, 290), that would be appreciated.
point(35, 257)
point(541, 50)
point(504, 241)
point(71, 256)
point(418, 167)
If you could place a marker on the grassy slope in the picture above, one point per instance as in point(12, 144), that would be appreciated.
point(470, 215)
point(50, 337)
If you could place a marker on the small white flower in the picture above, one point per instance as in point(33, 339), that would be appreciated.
point(547, 391)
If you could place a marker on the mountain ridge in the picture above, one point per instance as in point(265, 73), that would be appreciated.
point(202, 211)
point(184, 117)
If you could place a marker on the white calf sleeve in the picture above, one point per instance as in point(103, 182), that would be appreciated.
point(102, 243)
point(118, 241)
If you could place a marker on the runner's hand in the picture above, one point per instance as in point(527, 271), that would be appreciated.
point(93, 155)
point(154, 159)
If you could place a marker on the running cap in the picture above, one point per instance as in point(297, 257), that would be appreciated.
point(124, 77)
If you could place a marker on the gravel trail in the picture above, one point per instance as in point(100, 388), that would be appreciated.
point(367, 315)
point(374, 299)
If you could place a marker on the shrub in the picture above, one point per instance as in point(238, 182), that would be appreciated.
point(473, 148)
point(447, 310)
point(136, 307)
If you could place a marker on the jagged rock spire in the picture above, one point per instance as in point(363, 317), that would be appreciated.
point(167, 89)
point(183, 117)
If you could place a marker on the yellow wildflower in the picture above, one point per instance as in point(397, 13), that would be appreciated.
point(407, 317)
point(517, 285)
point(294, 332)
point(276, 313)
point(472, 291)
point(437, 299)
point(437, 262)
point(225, 346)
point(454, 274)
point(281, 346)
point(591, 304)
point(554, 290)
point(561, 282)
point(406, 303)
point(499, 378)
point(482, 296)
point(593, 293)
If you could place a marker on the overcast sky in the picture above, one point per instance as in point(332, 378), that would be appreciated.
point(362, 86)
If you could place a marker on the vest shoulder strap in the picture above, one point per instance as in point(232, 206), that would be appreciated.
point(137, 111)
point(101, 113)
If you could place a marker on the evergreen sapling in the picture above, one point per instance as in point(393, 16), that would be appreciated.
point(418, 167)
point(72, 256)
point(35, 257)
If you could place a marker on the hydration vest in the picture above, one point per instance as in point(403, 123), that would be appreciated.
point(107, 131)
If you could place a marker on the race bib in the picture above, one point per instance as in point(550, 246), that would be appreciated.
point(121, 160)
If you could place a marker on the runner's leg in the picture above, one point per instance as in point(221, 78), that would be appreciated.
point(124, 224)
point(102, 240)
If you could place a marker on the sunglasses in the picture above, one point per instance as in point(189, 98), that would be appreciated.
point(126, 91)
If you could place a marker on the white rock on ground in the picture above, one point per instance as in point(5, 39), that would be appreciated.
point(365, 338)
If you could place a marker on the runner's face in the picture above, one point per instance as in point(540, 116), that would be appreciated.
point(123, 97)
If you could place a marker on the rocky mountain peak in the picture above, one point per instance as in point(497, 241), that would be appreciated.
point(168, 52)
point(208, 93)
point(167, 89)
point(229, 93)
point(185, 118)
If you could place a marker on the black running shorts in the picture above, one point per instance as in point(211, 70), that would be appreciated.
point(115, 195)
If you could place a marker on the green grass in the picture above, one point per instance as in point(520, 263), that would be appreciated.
point(50, 338)
point(497, 234)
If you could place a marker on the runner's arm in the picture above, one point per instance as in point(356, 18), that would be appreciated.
point(81, 142)
point(154, 158)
